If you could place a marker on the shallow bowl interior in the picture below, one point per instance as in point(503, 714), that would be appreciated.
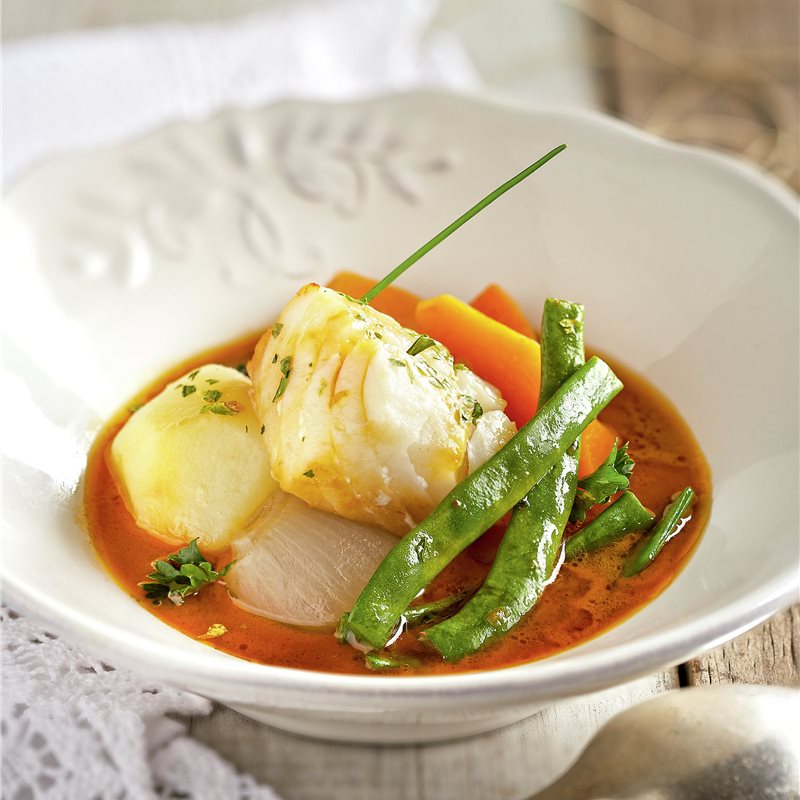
point(125, 261)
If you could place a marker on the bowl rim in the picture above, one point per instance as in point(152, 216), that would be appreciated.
point(545, 678)
point(542, 679)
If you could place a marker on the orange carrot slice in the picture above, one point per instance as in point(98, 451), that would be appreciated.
point(598, 438)
point(395, 302)
point(596, 444)
point(488, 337)
point(497, 303)
point(508, 360)
point(503, 357)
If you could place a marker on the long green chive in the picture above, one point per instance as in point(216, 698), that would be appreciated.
point(454, 226)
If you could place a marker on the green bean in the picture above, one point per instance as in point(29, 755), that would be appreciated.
point(385, 661)
point(670, 524)
point(433, 611)
point(626, 515)
point(530, 547)
point(479, 501)
point(562, 344)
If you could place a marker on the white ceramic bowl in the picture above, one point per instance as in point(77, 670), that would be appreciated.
point(125, 261)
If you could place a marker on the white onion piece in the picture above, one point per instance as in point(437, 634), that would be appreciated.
point(492, 431)
point(301, 566)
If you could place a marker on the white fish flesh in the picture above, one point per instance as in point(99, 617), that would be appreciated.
point(355, 424)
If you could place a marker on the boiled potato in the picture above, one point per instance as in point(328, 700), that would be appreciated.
point(192, 461)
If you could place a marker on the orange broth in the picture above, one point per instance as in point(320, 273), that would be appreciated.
point(588, 597)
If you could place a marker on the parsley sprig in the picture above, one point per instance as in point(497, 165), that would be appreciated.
point(612, 476)
point(180, 574)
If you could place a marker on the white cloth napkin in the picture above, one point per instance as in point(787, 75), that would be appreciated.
point(88, 89)
point(73, 727)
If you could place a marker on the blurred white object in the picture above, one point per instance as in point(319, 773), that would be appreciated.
point(81, 90)
point(704, 743)
point(529, 52)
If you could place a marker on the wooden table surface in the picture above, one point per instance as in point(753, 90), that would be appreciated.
point(723, 73)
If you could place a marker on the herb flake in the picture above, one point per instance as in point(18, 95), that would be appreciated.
point(229, 409)
point(421, 343)
point(214, 630)
point(286, 370)
point(571, 326)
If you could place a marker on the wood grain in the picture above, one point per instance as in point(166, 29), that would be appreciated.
point(768, 655)
point(507, 764)
point(719, 73)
